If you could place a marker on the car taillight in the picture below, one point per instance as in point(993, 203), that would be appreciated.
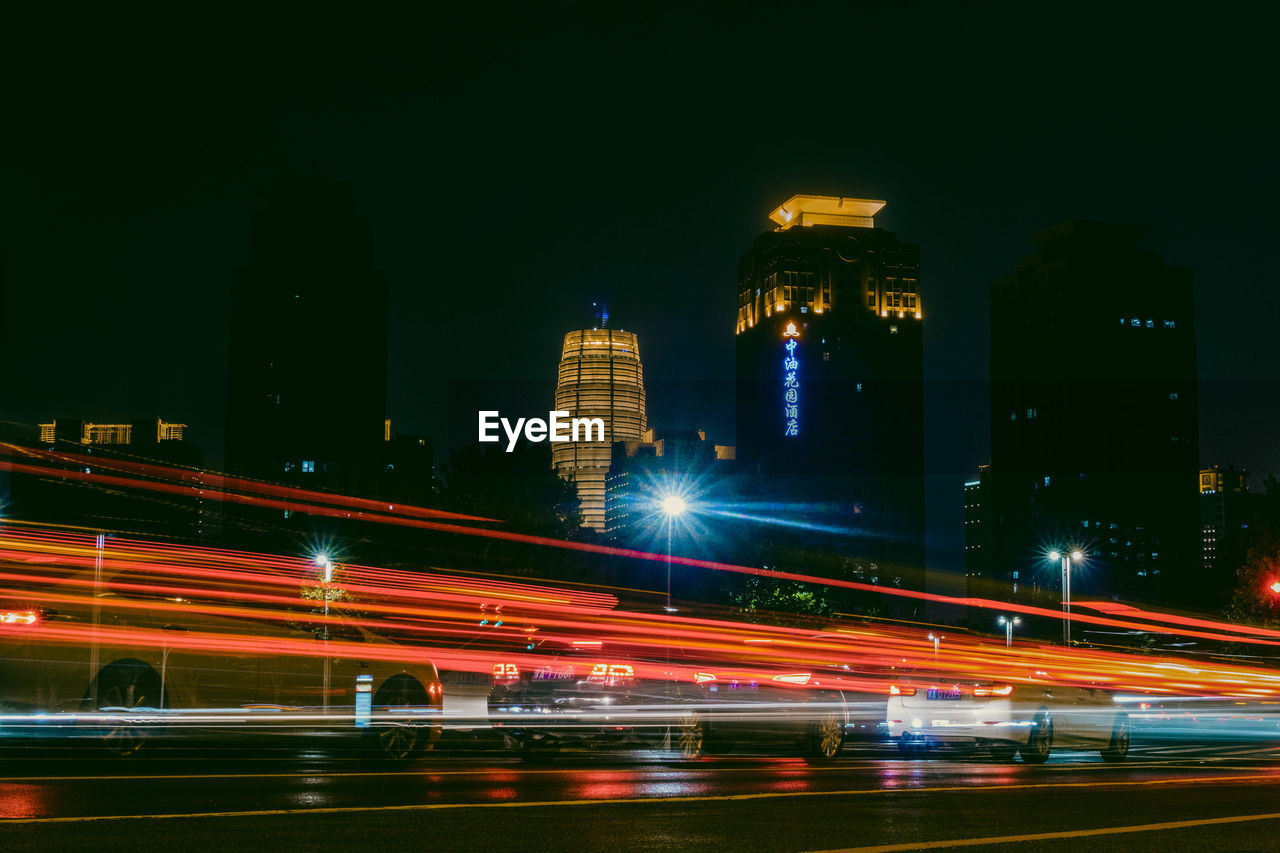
point(506, 672)
point(18, 617)
point(436, 689)
point(895, 690)
point(701, 677)
point(1002, 690)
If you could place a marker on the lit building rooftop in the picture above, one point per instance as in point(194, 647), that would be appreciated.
point(826, 210)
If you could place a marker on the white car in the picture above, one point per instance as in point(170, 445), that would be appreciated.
point(1029, 718)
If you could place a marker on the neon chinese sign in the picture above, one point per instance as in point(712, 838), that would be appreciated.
point(791, 384)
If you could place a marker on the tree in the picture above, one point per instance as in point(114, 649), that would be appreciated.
point(762, 599)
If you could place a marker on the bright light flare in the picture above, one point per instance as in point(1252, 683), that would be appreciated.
point(674, 505)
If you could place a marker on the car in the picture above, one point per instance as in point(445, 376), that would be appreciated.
point(1029, 718)
point(132, 651)
point(594, 702)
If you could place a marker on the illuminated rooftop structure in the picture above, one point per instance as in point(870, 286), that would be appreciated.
point(808, 210)
point(86, 432)
point(600, 377)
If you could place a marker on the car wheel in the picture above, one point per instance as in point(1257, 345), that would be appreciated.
point(1121, 734)
point(399, 739)
point(691, 734)
point(123, 687)
point(1002, 752)
point(826, 738)
point(1040, 741)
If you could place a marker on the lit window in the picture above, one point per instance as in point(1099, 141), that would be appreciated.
point(308, 466)
point(1013, 416)
point(1170, 324)
point(1173, 395)
point(826, 356)
point(1151, 324)
point(1135, 322)
point(893, 330)
point(289, 466)
point(859, 388)
point(1031, 413)
point(1046, 481)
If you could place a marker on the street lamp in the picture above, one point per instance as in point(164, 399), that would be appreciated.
point(672, 506)
point(1076, 556)
point(1008, 624)
point(324, 562)
point(1275, 587)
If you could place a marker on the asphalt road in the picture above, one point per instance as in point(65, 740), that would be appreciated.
point(320, 795)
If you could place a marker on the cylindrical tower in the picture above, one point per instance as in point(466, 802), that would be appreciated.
point(600, 377)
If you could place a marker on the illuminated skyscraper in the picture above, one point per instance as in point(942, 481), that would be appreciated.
point(600, 377)
point(829, 367)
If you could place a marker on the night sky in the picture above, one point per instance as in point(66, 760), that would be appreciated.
point(518, 164)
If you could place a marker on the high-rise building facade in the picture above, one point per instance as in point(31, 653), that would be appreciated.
point(601, 377)
point(829, 370)
point(308, 349)
point(1226, 505)
point(1094, 438)
point(977, 534)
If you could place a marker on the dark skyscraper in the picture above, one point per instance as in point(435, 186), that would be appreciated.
point(308, 349)
point(829, 368)
point(1094, 440)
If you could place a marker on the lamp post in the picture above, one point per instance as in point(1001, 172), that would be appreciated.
point(1008, 623)
point(672, 506)
point(324, 562)
point(937, 640)
point(1076, 556)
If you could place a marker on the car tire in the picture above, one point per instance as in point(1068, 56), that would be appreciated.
point(689, 735)
point(1121, 735)
point(399, 740)
point(122, 686)
point(825, 738)
point(1039, 741)
point(1002, 752)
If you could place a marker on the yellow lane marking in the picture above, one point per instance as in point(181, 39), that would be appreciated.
point(516, 804)
point(1049, 836)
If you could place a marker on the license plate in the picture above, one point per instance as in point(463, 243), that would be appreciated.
point(938, 693)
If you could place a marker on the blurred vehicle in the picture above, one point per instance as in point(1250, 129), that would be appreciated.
point(122, 659)
point(1028, 719)
point(602, 702)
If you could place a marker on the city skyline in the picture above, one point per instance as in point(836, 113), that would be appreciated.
point(971, 158)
